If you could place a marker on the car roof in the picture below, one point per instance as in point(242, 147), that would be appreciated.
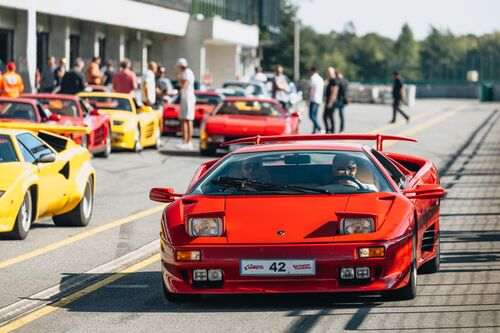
point(18, 100)
point(300, 145)
point(52, 96)
point(104, 94)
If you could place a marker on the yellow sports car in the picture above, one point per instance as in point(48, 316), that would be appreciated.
point(133, 125)
point(43, 175)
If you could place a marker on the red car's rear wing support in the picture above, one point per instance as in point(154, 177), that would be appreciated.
point(379, 138)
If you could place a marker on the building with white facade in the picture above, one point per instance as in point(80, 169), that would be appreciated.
point(219, 43)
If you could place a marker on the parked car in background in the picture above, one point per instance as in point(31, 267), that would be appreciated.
point(253, 88)
point(206, 101)
point(239, 117)
point(72, 110)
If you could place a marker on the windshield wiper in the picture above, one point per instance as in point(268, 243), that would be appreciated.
point(242, 183)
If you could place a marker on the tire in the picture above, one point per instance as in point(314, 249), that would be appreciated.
point(432, 266)
point(107, 150)
point(158, 142)
point(137, 145)
point(81, 214)
point(175, 297)
point(23, 219)
point(409, 291)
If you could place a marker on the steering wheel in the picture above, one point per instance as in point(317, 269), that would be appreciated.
point(358, 184)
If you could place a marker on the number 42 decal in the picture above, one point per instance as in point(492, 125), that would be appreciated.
point(277, 267)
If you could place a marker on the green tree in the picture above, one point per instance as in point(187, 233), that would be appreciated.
point(406, 57)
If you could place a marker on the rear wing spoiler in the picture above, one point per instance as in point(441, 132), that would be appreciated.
point(36, 127)
point(378, 138)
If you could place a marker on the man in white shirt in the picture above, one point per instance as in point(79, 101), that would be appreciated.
point(148, 88)
point(315, 97)
point(258, 76)
point(188, 102)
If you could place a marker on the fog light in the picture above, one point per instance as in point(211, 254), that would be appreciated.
point(362, 272)
point(187, 255)
point(347, 273)
point(371, 252)
point(200, 274)
point(215, 274)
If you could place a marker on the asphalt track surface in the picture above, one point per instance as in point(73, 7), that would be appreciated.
point(105, 277)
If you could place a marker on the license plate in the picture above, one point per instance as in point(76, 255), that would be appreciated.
point(277, 267)
point(171, 122)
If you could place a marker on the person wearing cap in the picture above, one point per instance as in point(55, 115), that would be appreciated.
point(188, 101)
point(11, 83)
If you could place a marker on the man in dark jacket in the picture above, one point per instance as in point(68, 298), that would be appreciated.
point(398, 94)
point(73, 82)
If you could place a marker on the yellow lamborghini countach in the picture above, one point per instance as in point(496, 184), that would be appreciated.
point(43, 175)
point(133, 125)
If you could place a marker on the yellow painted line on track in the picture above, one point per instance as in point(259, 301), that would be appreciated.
point(426, 125)
point(403, 122)
point(47, 309)
point(78, 237)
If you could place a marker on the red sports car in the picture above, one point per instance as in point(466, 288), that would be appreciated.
point(23, 109)
point(303, 213)
point(239, 117)
point(72, 110)
point(206, 101)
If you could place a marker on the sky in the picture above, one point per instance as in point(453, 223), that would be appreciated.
point(386, 17)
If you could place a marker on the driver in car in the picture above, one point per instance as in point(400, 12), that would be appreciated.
point(253, 169)
point(344, 168)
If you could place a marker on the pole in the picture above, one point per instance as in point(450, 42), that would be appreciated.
point(31, 45)
point(296, 51)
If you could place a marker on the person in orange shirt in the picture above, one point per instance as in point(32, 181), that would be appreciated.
point(94, 75)
point(11, 83)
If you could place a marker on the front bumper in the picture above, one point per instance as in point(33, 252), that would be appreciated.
point(122, 139)
point(390, 272)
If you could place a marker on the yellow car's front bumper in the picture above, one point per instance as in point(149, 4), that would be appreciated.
point(122, 139)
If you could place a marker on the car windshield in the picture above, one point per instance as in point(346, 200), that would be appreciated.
point(15, 110)
point(7, 152)
point(59, 106)
point(109, 103)
point(249, 88)
point(248, 107)
point(294, 172)
point(207, 99)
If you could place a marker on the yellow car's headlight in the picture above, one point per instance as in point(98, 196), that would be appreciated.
point(205, 226)
point(117, 122)
point(357, 225)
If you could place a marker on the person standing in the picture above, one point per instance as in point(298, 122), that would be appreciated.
point(280, 87)
point(148, 86)
point(125, 81)
point(188, 101)
point(341, 97)
point(330, 98)
point(398, 95)
point(59, 74)
point(107, 78)
point(315, 97)
point(164, 87)
point(258, 76)
point(73, 82)
point(94, 75)
point(48, 81)
point(11, 83)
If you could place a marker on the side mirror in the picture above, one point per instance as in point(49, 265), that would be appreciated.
point(425, 191)
point(95, 112)
point(55, 117)
point(46, 158)
point(159, 194)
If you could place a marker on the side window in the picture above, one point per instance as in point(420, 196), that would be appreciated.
point(36, 147)
point(26, 153)
point(84, 108)
point(396, 175)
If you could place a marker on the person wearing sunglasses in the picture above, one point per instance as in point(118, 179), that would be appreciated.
point(344, 168)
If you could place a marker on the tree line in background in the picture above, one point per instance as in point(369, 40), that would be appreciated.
point(440, 57)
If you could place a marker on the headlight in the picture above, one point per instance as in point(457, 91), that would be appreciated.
point(1, 193)
point(205, 226)
point(356, 225)
point(117, 122)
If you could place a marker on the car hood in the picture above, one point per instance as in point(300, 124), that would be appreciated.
point(241, 125)
point(118, 115)
point(11, 172)
point(290, 218)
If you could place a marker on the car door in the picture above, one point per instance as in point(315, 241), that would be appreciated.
point(52, 177)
